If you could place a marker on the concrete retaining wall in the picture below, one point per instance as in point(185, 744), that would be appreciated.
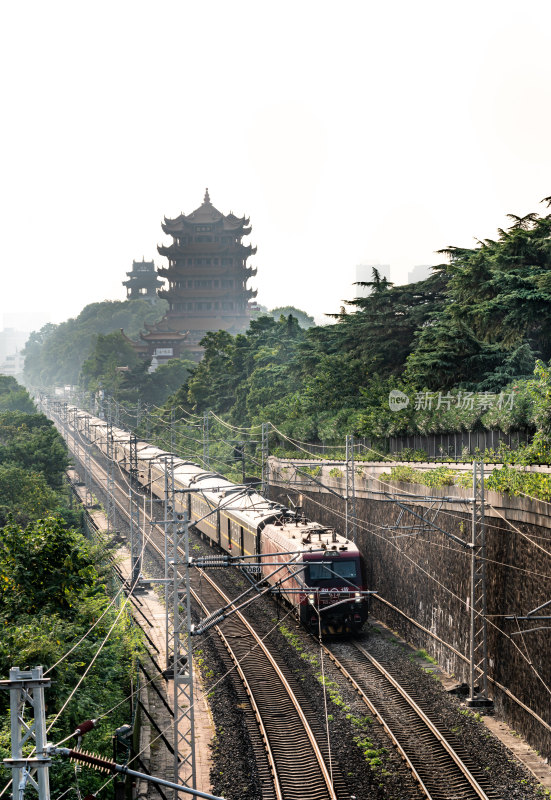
point(426, 576)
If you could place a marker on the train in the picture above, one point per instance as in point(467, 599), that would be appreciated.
point(317, 571)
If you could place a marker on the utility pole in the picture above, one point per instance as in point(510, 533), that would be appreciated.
point(75, 443)
point(27, 687)
point(178, 631)
point(478, 633)
point(134, 508)
point(264, 457)
point(138, 414)
point(350, 497)
point(206, 443)
point(110, 468)
point(171, 430)
point(184, 729)
point(168, 508)
point(87, 462)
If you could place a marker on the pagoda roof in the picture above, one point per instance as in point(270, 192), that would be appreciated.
point(163, 336)
point(138, 346)
point(174, 250)
point(166, 326)
point(206, 214)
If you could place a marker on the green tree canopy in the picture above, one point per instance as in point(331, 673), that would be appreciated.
point(55, 354)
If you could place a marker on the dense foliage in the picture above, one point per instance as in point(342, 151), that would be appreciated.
point(14, 397)
point(53, 591)
point(114, 367)
point(54, 355)
point(478, 325)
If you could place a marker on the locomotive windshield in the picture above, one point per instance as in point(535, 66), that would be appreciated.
point(331, 572)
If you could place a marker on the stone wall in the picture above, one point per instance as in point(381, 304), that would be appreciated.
point(426, 577)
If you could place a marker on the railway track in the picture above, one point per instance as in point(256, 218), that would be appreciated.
point(290, 745)
point(436, 757)
point(288, 742)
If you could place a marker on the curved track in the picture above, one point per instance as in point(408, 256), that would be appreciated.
point(439, 763)
point(299, 768)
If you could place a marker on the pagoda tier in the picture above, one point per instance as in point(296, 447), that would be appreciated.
point(206, 219)
point(174, 294)
point(143, 282)
point(175, 273)
point(207, 276)
point(178, 250)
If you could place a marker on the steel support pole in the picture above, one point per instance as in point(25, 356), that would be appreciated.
point(478, 665)
point(110, 470)
point(134, 509)
point(350, 497)
point(265, 464)
point(27, 689)
point(87, 462)
point(76, 447)
point(184, 738)
point(169, 535)
point(206, 442)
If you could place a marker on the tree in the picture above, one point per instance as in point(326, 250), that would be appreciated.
point(303, 319)
point(14, 397)
point(56, 353)
point(43, 567)
point(502, 288)
point(32, 442)
point(110, 357)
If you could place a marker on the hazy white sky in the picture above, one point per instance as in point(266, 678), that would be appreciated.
point(349, 132)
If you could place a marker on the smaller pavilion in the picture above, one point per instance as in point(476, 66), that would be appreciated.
point(143, 282)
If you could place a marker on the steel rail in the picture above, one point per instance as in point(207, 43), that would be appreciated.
point(380, 719)
point(306, 726)
point(425, 719)
point(427, 722)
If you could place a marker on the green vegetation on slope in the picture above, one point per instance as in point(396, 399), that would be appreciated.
point(114, 366)
point(53, 591)
point(54, 355)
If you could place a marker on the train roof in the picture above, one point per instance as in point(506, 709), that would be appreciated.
point(309, 537)
point(243, 502)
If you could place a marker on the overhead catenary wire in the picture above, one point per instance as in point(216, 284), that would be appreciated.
point(418, 566)
point(211, 688)
point(442, 586)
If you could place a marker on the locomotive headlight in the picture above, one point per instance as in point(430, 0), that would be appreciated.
point(311, 599)
point(357, 597)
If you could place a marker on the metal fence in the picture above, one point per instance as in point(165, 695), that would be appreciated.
point(435, 445)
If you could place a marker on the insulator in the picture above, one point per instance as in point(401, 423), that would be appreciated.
point(85, 727)
point(93, 760)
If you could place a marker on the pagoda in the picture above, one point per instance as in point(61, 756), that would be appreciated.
point(207, 276)
point(143, 282)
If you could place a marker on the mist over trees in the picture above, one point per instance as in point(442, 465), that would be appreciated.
point(54, 355)
point(479, 323)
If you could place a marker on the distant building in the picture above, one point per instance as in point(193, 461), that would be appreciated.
point(11, 342)
point(364, 274)
point(13, 365)
point(143, 282)
point(207, 276)
point(419, 273)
